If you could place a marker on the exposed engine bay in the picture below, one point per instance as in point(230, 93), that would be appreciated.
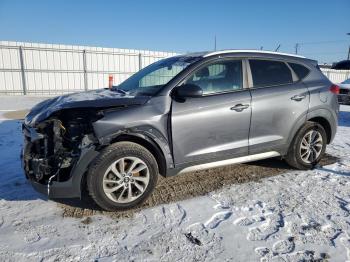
point(65, 134)
point(54, 146)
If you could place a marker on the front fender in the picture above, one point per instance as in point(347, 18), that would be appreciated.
point(147, 133)
point(149, 122)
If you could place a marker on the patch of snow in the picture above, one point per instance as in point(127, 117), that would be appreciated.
point(9, 103)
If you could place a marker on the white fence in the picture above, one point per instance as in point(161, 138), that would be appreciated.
point(336, 76)
point(47, 69)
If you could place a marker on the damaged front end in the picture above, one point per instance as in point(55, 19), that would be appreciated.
point(60, 141)
point(57, 148)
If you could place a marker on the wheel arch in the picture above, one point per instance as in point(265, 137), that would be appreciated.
point(327, 119)
point(318, 116)
point(325, 124)
point(147, 143)
point(147, 136)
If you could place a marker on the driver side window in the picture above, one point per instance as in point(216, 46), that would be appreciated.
point(218, 77)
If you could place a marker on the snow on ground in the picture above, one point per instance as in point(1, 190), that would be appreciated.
point(296, 216)
point(19, 102)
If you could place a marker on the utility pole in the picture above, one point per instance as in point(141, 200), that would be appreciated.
point(215, 43)
point(296, 48)
point(349, 49)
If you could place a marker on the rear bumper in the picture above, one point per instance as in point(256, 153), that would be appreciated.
point(344, 99)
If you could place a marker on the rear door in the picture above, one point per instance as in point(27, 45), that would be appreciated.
point(216, 125)
point(279, 101)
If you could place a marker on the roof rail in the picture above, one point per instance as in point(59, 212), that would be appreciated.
point(249, 51)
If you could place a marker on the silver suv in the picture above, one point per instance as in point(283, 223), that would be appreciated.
point(180, 114)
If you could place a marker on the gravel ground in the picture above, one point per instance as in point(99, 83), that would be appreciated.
point(189, 185)
point(18, 114)
point(19, 102)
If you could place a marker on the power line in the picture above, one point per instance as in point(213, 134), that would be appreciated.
point(278, 47)
point(323, 53)
point(323, 42)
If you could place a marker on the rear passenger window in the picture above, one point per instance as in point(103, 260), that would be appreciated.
point(300, 71)
point(270, 73)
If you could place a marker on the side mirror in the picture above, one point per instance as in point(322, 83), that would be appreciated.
point(189, 90)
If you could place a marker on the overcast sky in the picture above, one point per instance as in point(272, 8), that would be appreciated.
point(183, 26)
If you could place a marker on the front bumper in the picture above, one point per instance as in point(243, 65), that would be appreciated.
point(70, 188)
point(66, 189)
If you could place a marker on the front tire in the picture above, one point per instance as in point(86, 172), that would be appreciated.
point(307, 147)
point(122, 176)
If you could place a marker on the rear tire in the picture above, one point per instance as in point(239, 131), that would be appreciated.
point(122, 176)
point(307, 147)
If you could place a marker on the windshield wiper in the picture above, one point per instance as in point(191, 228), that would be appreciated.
point(120, 90)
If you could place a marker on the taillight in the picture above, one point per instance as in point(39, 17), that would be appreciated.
point(335, 89)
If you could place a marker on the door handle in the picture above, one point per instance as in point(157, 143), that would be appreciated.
point(239, 107)
point(298, 97)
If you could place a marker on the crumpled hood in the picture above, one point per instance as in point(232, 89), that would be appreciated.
point(102, 98)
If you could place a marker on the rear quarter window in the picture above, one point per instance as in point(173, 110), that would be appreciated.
point(270, 73)
point(300, 70)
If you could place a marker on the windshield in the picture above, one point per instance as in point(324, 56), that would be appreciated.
point(154, 77)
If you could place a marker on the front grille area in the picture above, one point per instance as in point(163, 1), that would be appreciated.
point(46, 152)
point(36, 141)
point(35, 154)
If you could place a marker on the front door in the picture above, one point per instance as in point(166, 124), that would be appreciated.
point(216, 125)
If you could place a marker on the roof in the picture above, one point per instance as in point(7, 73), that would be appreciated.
point(249, 51)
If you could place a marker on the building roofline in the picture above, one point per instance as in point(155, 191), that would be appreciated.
point(250, 51)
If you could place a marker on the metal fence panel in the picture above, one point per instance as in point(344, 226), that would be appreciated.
point(47, 69)
point(336, 76)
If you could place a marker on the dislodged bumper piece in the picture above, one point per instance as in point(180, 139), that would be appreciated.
point(57, 189)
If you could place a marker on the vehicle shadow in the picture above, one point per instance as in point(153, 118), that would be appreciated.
point(344, 117)
point(13, 184)
point(277, 163)
point(335, 172)
point(183, 186)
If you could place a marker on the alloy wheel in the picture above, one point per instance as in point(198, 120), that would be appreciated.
point(311, 146)
point(126, 179)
